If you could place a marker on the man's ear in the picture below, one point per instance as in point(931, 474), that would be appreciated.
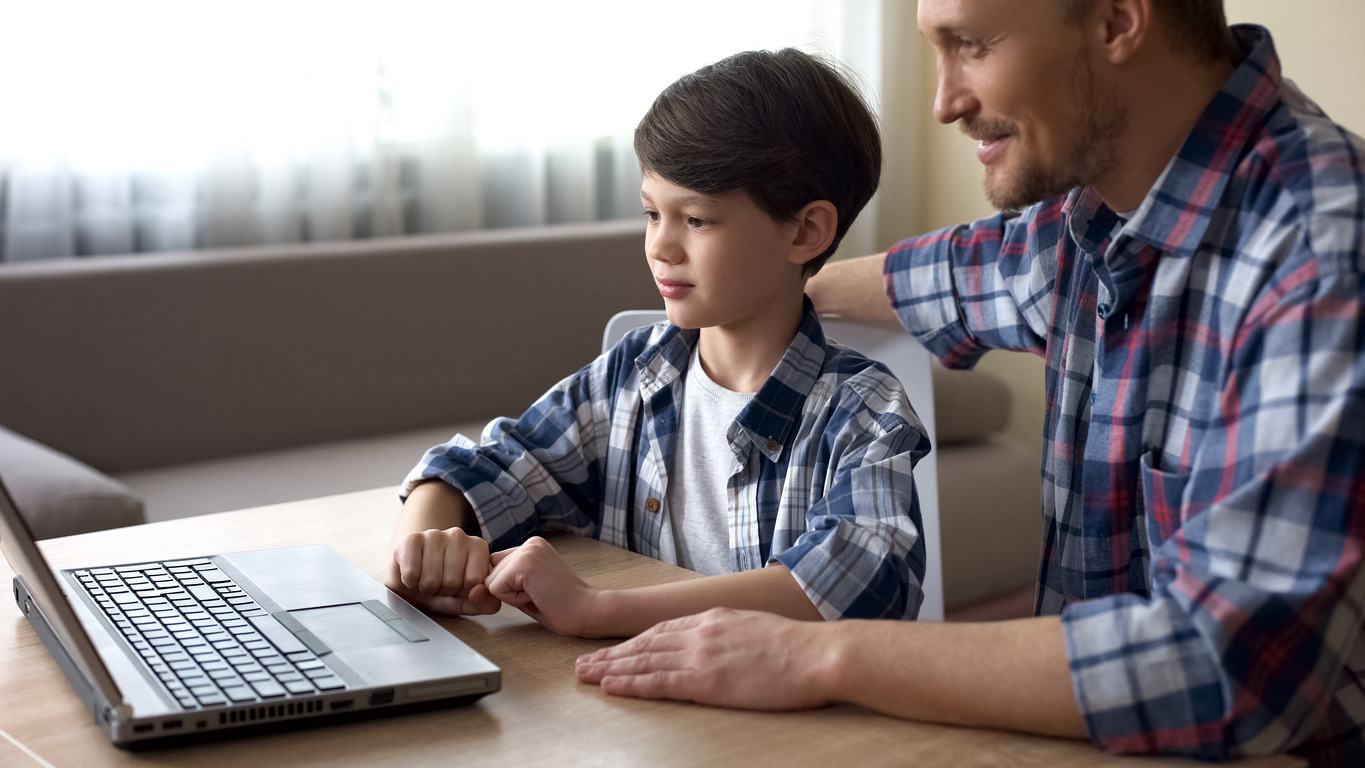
point(1122, 28)
point(816, 224)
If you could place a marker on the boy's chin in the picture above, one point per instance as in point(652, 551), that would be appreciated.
point(682, 319)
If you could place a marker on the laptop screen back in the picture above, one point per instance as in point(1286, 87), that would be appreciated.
point(23, 555)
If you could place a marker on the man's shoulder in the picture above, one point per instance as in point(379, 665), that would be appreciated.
point(1307, 172)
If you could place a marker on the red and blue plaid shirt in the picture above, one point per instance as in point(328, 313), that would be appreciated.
point(1204, 463)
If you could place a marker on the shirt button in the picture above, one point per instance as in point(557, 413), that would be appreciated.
point(652, 504)
point(773, 444)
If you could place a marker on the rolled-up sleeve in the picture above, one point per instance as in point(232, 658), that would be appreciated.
point(538, 472)
point(863, 553)
point(985, 285)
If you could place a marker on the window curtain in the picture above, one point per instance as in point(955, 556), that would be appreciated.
point(137, 127)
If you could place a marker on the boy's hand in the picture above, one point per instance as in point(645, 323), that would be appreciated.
point(443, 572)
point(534, 578)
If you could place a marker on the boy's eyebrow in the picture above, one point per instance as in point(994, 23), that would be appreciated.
point(685, 200)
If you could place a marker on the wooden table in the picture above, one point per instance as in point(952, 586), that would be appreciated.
point(542, 715)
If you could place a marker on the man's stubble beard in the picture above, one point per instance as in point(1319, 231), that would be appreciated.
point(1100, 124)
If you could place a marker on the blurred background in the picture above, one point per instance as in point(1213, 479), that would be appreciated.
point(153, 126)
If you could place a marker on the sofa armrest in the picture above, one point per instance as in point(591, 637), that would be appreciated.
point(59, 496)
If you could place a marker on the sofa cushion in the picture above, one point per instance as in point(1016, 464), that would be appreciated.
point(271, 477)
point(968, 405)
point(59, 496)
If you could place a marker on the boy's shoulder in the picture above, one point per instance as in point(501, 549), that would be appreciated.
point(851, 370)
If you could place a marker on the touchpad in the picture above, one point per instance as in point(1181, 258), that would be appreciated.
point(347, 626)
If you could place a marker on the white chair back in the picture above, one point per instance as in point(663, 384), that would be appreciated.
point(911, 363)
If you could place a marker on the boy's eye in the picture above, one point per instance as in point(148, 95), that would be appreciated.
point(696, 223)
point(653, 216)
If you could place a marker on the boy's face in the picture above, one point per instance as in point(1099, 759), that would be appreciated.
point(1022, 80)
point(717, 260)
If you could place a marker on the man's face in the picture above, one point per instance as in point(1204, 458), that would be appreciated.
point(1019, 78)
point(718, 260)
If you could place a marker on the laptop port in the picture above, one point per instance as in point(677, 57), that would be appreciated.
point(347, 704)
point(142, 728)
point(172, 725)
point(382, 696)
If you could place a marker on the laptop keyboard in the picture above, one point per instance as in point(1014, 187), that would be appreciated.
point(203, 636)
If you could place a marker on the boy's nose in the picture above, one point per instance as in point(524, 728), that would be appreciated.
point(661, 247)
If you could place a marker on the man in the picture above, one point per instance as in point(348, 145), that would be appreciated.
point(1189, 263)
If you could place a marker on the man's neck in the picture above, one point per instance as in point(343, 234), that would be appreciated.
point(741, 356)
point(1165, 100)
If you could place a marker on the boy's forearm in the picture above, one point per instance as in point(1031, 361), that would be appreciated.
point(854, 289)
point(435, 505)
point(623, 612)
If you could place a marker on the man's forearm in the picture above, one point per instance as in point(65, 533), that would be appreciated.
point(854, 289)
point(773, 589)
point(1010, 674)
point(435, 505)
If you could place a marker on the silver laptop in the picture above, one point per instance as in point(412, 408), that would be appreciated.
point(256, 640)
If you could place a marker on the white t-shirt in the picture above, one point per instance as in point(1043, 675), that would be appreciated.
point(696, 532)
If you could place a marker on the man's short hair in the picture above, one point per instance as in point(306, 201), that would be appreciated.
point(1197, 27)
point(787, 128)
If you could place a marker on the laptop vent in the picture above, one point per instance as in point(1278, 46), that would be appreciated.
point(269, 712)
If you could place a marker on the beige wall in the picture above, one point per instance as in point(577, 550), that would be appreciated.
point(932, 178)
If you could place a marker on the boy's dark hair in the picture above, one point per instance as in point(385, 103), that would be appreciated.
point(787, 128)
point(1197, 27)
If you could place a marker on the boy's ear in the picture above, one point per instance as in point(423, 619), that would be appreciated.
point(816, 224)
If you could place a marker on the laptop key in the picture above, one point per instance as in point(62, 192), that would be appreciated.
point(268, 689)
point(238, 693)
point(212, 700)
point(298, 686)
point(329, 683)
point(316, 673)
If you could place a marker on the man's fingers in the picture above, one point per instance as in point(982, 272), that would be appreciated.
point(639, 664)
point(669, 684)
point(664, 636)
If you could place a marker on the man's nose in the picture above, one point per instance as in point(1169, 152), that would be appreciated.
point(953, 100)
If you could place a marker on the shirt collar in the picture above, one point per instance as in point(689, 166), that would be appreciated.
point(770, 419)
point(1177, 211)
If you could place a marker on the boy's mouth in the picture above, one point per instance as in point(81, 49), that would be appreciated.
point(673, 289)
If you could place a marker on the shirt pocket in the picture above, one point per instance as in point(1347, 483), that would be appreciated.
point(1162, 494)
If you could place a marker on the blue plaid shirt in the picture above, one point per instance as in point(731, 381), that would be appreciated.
point(822, 480)
point(1204, 455)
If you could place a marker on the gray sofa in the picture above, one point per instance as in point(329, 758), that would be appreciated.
point(157, 386)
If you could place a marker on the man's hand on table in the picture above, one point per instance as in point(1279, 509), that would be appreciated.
point(723, 657)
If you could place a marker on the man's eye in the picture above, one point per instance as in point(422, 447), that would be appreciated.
point(972, 47)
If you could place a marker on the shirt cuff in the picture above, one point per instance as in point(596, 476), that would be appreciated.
point(857, 570)
point(458, 464)
point(920, 286)
point(1143, 677)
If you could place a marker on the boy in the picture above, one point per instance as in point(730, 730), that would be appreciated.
point(730, 438)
